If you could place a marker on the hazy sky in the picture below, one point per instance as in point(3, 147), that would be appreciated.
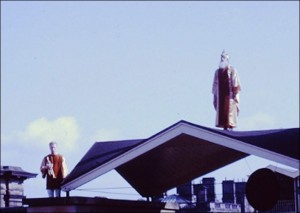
point(78, 72)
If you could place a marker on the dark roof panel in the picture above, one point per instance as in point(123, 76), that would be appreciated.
point(281, 141)
point(100, 153)
point(174, 163)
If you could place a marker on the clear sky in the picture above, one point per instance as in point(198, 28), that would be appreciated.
point(78, 72)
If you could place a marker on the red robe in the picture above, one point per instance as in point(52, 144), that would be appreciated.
point(226, 88)
point(59, 168)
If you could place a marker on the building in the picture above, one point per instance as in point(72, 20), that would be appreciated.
point(240, 196)
point(233, 200)
point(289, 187)
point(12, 190)
point(205, 191)
point(185, 145)
point(186, 191)
point(228, 188)
point(174, 156)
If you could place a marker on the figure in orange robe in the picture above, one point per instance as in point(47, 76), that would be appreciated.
point(226, 90)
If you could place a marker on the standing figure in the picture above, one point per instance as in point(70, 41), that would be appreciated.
point(54, 167)
point(226, 89)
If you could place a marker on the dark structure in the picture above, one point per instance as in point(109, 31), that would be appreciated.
point(84, 204)
point(205, 193)
point(156, 156)
point(186, 190)
point(228, 188)
point(209, 185)
point(288, 183)
point(181, 153)
point(240, 194)
point(12, 190)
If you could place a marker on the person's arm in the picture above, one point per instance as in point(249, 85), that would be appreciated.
point(215, 90)
point(64, 168)
point(215, 101)
point(43, 168)
point(236, 85)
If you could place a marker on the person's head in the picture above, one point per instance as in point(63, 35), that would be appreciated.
point(224, 56)
point(224, 60)
point(52, 146)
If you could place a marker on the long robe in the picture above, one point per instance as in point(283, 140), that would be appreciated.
point(226, 88)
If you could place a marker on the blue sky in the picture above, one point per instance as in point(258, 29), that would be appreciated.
point(79, 72)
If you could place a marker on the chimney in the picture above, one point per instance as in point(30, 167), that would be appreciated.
point(12, 190)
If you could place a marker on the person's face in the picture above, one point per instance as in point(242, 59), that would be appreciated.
point(53, 148)
point(223, 58)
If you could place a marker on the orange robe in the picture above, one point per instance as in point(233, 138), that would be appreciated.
point(59, 168)
point(226, 88)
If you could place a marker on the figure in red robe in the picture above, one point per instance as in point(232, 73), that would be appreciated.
point(54, 167)
point(226, 90)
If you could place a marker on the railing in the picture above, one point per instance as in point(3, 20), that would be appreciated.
point(283, 206)
point(224, 207)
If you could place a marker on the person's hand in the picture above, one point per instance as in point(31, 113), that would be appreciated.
point(49, 166)
point(215, 102)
